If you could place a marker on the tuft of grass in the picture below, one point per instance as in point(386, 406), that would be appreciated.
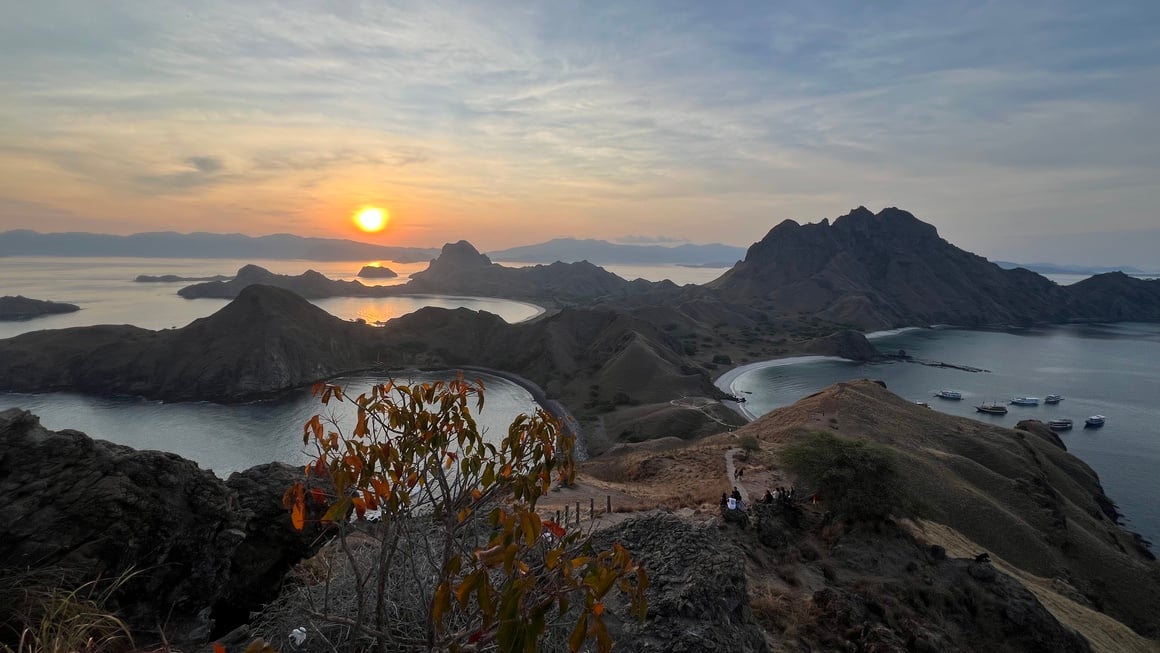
point(785, 611)
point(43, 612)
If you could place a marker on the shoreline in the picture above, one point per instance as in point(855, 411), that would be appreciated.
point(725, 381)
point(551, 406)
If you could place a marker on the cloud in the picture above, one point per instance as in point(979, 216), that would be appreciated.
point(988, 119)
point(195, 172)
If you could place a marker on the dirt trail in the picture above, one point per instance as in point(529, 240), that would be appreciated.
point(729, 474)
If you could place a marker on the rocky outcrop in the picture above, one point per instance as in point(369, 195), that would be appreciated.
point(698, 596)
point(309, 284)
point(377, 272)
point(848, 344)
point(99, 509)
point(24, 308)
point(195, 545)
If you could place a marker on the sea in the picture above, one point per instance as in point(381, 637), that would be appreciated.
point(1111, 369)
point(231, 438)
point(1100, 369)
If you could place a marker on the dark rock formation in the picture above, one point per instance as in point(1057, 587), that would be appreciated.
point(23, 308)
point(1115, 297)
point(95, 509)
point(884, 271)
point(99, 509)
point(259, 563)
point(461, 270)
point(377, 272)
point(697, 597)
point(309, 284)
point(848, 344)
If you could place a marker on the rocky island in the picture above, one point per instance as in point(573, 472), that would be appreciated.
point(377, 272)
point(24, 308)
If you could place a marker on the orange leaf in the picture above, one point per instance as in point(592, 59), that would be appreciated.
point(218, 648)
point(298, 514)
point(598, 609)
point(556, 529)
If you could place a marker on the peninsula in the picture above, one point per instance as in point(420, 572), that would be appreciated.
point(24, 308)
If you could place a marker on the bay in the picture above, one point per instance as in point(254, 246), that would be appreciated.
point(230, 438)
point(1108, 369)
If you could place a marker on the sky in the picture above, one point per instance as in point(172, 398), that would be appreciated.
point(1024, 131)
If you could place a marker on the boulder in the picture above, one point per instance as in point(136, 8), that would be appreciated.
point(193, 544)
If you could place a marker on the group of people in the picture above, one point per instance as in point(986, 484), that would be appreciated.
point(780, 494)
point(732, 501)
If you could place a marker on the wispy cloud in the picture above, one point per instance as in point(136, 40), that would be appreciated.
point(707, 121)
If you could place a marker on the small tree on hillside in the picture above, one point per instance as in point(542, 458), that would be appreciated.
point(459, 559)
point(857, 479)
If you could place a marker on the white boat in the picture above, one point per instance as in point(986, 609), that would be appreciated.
point(1025, 401)
point(1095, 421)
point(1061, 424)
point(992, 409)
point(949, 394)
point(1052, 399)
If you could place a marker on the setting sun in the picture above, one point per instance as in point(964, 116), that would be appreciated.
point(371, 219)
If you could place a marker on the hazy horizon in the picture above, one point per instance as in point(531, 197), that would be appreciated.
point(1022, 132)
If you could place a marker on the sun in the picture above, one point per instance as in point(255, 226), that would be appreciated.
point(371, 218)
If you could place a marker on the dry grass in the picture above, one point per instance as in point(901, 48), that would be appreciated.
point(1105, 634)
point(782, 610)
point(44, 613)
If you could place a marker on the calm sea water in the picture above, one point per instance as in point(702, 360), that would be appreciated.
point(227, 439)
point(1113, 370)
point(105, 291)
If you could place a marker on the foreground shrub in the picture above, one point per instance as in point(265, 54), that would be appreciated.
point(457, 558)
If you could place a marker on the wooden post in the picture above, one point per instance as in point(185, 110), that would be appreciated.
point(577, 513)
point(566, 507)
point(591, 507)
point(557, 516)
point(608, 504)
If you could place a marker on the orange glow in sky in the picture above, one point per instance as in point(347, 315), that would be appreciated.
point(371, 219)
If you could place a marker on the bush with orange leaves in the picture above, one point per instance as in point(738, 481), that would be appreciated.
point(458, 558)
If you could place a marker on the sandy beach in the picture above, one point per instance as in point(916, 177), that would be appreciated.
point(726, 380)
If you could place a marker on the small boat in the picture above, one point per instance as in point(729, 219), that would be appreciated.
point(1095, 421)
point(1061, 424)
point(921, 403)
point(949, 394)
point(992, 409)
point(1025, 401)
point(1052, 399)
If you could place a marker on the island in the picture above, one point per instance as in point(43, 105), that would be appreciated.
point(25, 308)
point(377, 272)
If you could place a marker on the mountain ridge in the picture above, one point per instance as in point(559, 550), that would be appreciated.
point(171, 244)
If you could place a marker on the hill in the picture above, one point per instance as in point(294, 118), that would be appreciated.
point(168, 244)
point(885, 270)
point(309, 284)
point(602, 252)
point(963, 487)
